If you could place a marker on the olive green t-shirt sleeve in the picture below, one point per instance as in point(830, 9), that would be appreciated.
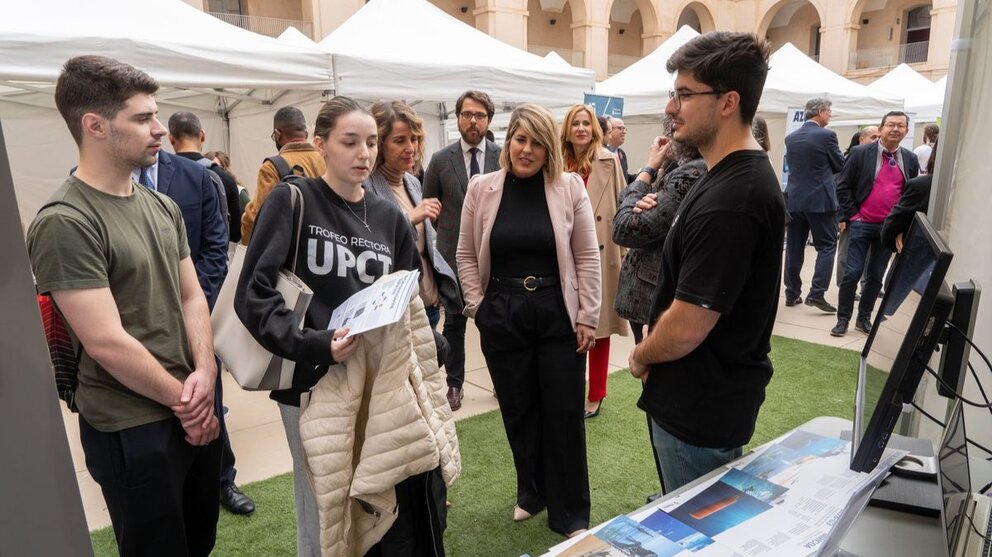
point(66, 253)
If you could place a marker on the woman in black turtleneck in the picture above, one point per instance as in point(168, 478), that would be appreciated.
point(529, 267)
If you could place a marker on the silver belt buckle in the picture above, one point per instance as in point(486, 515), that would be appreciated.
point(527, 283)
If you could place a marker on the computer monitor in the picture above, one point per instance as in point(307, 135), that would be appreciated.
point(909, 321)
point(954, 359)
point(955, 474)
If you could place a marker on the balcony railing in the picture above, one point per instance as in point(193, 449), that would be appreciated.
point(909, 53)
point(271, 26)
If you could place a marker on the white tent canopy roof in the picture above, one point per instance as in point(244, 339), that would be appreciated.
point(556, 58)
point(923, 97)
point(175, 43)
point(411, 49)
point(644, 85)
point(794, 78)
point(294, 36)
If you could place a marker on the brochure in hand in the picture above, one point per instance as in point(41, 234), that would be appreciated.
point(379, 305)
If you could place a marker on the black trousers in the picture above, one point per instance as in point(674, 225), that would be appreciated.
point(529, 345)
point(227, 470)
point(163, 494)
point(419, 527)
point(454, 332)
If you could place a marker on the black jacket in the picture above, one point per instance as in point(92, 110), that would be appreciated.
point(915, 197)
point(857, 178)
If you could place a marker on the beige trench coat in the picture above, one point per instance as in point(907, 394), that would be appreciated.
point(606, 181)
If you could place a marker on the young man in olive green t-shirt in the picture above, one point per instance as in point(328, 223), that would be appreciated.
point(115, 259)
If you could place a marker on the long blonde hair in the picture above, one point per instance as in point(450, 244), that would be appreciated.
point(537, 122)
point(583, 165)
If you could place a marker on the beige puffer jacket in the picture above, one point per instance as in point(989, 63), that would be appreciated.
point(369, 424)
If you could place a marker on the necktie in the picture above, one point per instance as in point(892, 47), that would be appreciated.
point(474, 162)
point(145, 179)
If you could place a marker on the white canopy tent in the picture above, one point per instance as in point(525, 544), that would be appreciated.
point(644, 85)
point(793, 78)
point(412, 50)
point(924, 98)
point(294, 36)
point(556, 59)
point(216, 70)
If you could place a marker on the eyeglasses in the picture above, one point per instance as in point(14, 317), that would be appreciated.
point(477, 116)
point(679, 96)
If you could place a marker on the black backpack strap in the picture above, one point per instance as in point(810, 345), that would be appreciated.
point(282, 167)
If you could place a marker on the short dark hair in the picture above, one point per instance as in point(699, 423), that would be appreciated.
point(479, 97)
point(894, 114)
point(97, 84)
point(290, 121)
point(727, 62)
point(184, 124)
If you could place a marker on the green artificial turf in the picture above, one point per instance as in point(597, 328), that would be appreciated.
point(810, 380)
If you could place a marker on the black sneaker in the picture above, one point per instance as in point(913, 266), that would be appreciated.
point(793, 302)
point(821, 304)
point(840, 329)
point(863, 325)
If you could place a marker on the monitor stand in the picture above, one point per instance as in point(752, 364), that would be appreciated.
point(911, 488)
point(913, 466)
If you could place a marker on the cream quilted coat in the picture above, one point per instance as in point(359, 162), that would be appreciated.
point(372, 422)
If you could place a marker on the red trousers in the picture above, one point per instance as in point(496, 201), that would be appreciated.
point(599, 363)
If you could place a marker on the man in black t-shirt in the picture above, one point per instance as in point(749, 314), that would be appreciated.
point(705, 362)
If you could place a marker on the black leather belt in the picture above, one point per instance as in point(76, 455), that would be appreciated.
point(528, 283)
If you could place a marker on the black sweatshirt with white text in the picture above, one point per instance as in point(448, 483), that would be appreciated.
point(338, 256)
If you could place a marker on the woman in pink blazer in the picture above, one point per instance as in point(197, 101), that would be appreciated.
point(529, 267)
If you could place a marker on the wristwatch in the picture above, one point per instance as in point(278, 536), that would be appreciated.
point(651, 171)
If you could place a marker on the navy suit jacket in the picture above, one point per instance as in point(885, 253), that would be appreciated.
point(814, 157)
point(188, 184)
point(857, 178)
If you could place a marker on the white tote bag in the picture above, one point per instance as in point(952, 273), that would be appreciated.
point(254, 367)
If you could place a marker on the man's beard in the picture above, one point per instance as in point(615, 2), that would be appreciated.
point(128, 159)
point(700, 137)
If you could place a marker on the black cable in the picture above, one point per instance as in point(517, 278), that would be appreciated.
point(971, 368)
point(975, 528)
point(972, 343)
point(942, 424)
point(950, 388)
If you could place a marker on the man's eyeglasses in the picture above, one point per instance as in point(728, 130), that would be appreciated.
point(477, 116)
point(679, 96)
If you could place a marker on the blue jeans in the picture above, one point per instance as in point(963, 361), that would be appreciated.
point(865, 256)
point(433, 317)
point(682, 463)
